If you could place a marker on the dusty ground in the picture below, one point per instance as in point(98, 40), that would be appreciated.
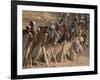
point(79, 60)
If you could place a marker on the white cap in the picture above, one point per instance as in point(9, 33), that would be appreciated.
point(52, 27)
point(27, 26)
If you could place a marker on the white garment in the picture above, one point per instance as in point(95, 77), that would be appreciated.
point(78, 46)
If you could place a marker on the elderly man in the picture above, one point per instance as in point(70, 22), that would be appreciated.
point(53, 35)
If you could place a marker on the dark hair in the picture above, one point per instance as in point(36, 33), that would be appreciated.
point(31, 24)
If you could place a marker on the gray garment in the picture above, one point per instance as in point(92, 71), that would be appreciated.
point(26, 44)
point(77, 46)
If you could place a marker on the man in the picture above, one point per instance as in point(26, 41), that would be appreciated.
point(77, 45)
point(26, 42)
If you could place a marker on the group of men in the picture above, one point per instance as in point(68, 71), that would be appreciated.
point(34, 37)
